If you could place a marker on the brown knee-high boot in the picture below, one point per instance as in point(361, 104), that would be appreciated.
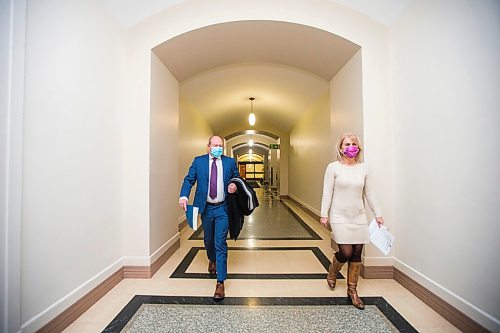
point(334, 268)
point(353, 271)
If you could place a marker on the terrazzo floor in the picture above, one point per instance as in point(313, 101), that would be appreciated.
point(264, 263)
point(241, 318)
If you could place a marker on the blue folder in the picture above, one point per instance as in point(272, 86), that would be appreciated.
point(192, 217)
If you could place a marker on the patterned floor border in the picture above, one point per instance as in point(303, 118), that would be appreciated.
point(180, 271)
point(121, 320)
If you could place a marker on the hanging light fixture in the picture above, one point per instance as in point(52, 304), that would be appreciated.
point(250, 143)
point(251, 117)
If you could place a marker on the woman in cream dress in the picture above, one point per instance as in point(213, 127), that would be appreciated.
point(346, 185)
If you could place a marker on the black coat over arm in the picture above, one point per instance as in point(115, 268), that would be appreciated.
point(240, 204)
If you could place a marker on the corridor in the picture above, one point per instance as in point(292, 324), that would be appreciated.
point(281, 258)
point(105, 103)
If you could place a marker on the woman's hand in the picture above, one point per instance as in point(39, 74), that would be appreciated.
point(323, 221)
point(380, 221)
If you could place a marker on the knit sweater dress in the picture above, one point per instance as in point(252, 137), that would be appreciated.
point(344, 189)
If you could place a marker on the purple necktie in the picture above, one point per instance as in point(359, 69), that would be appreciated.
point(213, 180)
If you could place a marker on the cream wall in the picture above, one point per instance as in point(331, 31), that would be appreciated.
point(314, 136)
point(71, 207)
point(164, 154)
point(347, 117)
point(283, 155)
point(309, 154)
point(445, 83)
point(193, 140)
point(346, 102)
point(274, 169)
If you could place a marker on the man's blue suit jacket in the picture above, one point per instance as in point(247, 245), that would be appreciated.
point(198, 173)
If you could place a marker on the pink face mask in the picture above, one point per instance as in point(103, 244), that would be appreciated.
point(351, 151)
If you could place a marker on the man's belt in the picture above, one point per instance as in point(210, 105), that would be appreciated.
point(216, 203)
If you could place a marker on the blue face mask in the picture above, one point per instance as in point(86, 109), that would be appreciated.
point(216, 151)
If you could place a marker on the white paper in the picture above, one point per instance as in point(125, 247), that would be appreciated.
point(380, 237)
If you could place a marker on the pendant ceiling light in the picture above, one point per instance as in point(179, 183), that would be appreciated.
point(251, 117)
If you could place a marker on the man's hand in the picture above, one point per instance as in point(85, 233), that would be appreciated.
point(183, 204)
point(232, 188)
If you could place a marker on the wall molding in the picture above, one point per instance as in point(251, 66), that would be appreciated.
point(12, 89)
point(449, 312)
point(63, 320)
point(146, 272)
point(75, 310)
point(159, 254)
point(182, 222)
point(377, 272)
point(156, 265)
point(305, 207)
point(68, 300)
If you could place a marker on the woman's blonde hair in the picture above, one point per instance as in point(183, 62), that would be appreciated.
point(354, 138)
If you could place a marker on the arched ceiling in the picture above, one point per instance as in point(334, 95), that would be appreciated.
point(268, 42)
point(285, 66)
point(281, 95)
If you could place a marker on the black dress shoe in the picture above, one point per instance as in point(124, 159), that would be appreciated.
point(212, 268)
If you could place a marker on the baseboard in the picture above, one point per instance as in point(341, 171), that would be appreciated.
point(304, 207)
point(137, 272)
point(182, 224)
point(377, 272)
point(65, 318)
point(146, 272)
point(164, 257)
point(308, 211)
point(160, 256)
point(449, 312)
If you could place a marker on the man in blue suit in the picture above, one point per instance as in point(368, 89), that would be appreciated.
point(212, 173)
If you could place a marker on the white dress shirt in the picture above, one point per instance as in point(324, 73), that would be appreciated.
point(220, 180)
